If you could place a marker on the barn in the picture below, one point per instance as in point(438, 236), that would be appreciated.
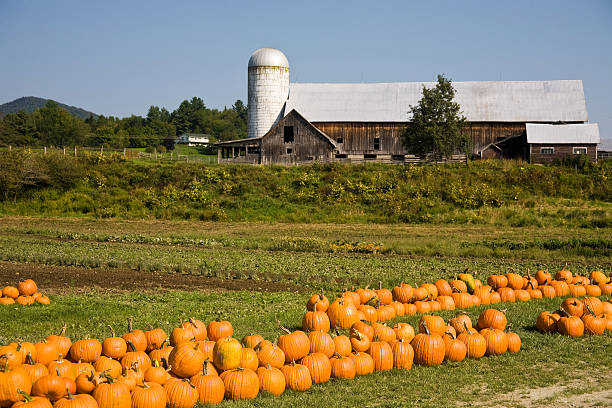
point(291, 123)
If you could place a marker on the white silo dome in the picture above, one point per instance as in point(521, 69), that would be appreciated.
point(268, 82)
point(268, 57)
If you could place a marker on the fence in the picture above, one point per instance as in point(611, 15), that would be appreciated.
point(127, 153)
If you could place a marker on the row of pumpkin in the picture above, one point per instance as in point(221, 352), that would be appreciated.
point(24, 294)
point(382, 304)
point(148, 369)
point(576, 317)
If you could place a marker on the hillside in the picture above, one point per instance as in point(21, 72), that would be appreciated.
point(30, 103)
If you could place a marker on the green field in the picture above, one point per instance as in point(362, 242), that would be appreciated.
point(161, 272)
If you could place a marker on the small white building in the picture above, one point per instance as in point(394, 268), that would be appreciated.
point(193, 139)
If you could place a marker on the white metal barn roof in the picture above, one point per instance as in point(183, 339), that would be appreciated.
point(504, 101)
point(559, 134)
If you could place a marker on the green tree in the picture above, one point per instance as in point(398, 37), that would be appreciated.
point(437, 125)
point(57, 127)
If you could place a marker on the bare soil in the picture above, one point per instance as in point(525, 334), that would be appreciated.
point(67, 279)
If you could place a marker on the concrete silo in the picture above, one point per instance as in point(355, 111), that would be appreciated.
point(268, 89)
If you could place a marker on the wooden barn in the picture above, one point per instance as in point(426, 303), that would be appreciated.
point(306, 122)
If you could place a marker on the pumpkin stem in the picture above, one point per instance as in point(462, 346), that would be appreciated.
point(321, 294)
point(278, 323)
point(590, 310)
point(63, 330)
point(205, 367)
point(111, 330)
point(466, 328)
point(130, 321)
point(25, 395)
point(337, 355)
point(29, 359)
point(379, 285)
point(164, 363)
point(150, 326)
point(268, 366)
point(57, 371)
point(70, 396)
point(132, 346)
point(425, 327)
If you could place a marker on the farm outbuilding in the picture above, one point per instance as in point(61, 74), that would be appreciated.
point(365, 122)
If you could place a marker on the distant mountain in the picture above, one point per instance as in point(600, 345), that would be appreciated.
point(31, 103)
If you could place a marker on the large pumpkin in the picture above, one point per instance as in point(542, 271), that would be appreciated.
point(227, 353)
point(186, 360)
point(428, 348)
point(271, 380)
point(240, 383)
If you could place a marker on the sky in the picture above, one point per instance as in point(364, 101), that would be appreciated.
point(120, 57)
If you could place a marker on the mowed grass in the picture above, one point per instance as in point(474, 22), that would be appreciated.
point(545, 360)
point(301, 254)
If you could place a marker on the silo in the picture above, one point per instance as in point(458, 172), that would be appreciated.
point(268, 89)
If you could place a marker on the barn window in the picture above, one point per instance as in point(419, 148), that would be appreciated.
point(377, 143)
point(242, 151)
point(340, 140)
point(341, 156)
point(547, 150)
point(288, 134)
point(369, 156)
point(398, 157)
point(289, 150)
point(580, 150)
point(253, 150)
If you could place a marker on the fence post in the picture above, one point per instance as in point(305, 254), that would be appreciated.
point(44, 149)
point(171, 156)
point(101, 149)
point(124, 152)
point(75, 153)
point(64, 150)
point(10, 148)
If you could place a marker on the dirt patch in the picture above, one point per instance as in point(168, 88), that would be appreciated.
point(590, 391)
point(65, 279)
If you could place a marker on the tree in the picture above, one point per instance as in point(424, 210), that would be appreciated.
point(437, 125)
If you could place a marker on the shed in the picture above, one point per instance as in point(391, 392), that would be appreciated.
point(549, 142)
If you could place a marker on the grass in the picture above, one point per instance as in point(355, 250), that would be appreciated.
point(301, 254)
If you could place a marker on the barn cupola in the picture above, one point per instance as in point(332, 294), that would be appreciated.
point(268, 90)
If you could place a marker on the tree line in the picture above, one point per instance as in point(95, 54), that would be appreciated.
point(52, 125)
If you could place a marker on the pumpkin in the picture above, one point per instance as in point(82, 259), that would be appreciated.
point(270, 354)
point(27, 287)
point(7, 301)
point(460, 322)
point(507, 294)
point(573, 306)
point(444, 288)
point(381, 354)
point(351, 296)
point(420, 293)
point(10, 292)
point(404, 331)
point(422, 307)
point(497, 281)
point(137, 337)
point(446, 302)
point(359, 341)
point(365, 294)
point(593, 324)
point(571, 326)
point(561, 288)
point(385, 313)
point(492, 318)
point(12, 380)
point(514, 342)
point(342, 367)
point(410, 309)
point(271, 380)
point(458, 285)
point(297, 376)
point(370, 313)
point(181, 394)
point(402, 293)
point(496, 340)
point(34, 370)
point(87, 350)
point(62, 341)
point(319, 300)
point(180, 335)
point(564, 275)
point(435, 324)
point(227, 353)
point(547, 322)
point(363, 328)
point(594, 304)
point(428, 348)
point(515, 281)
point(51, 386)
point(186, 360)
point(163, 354)
point(454, 349)
point(197, 327)
point(46, 352)
point(85, 383)
point(63, 368)
point(295, 344)
point(78, 401)
point(342, 314)
point(432, 290)
point(543, 277)
point(383, 332)
point(475, 343)
point(240, 384)
point(108, 365)
point(133, 357)
point(114, 347)
point(32, 402)
point(403, 354)
point(248, 358)
point(484, 294)
point(251, 340)
point(319, 367)
point(316, 320)
point(598, 277)
point(364, 363)
point(149, 395)
point(156, 338)
point(218, 329)
point(462, 300)
point(322, 342)
point(495, 298)
point(10, 357)
point(342, 344)
point(210, 386)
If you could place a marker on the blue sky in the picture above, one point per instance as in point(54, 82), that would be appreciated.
point(120, 57)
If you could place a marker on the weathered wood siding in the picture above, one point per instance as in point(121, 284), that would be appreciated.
point(359, 136)
point(561, 151)
point(308, 144)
